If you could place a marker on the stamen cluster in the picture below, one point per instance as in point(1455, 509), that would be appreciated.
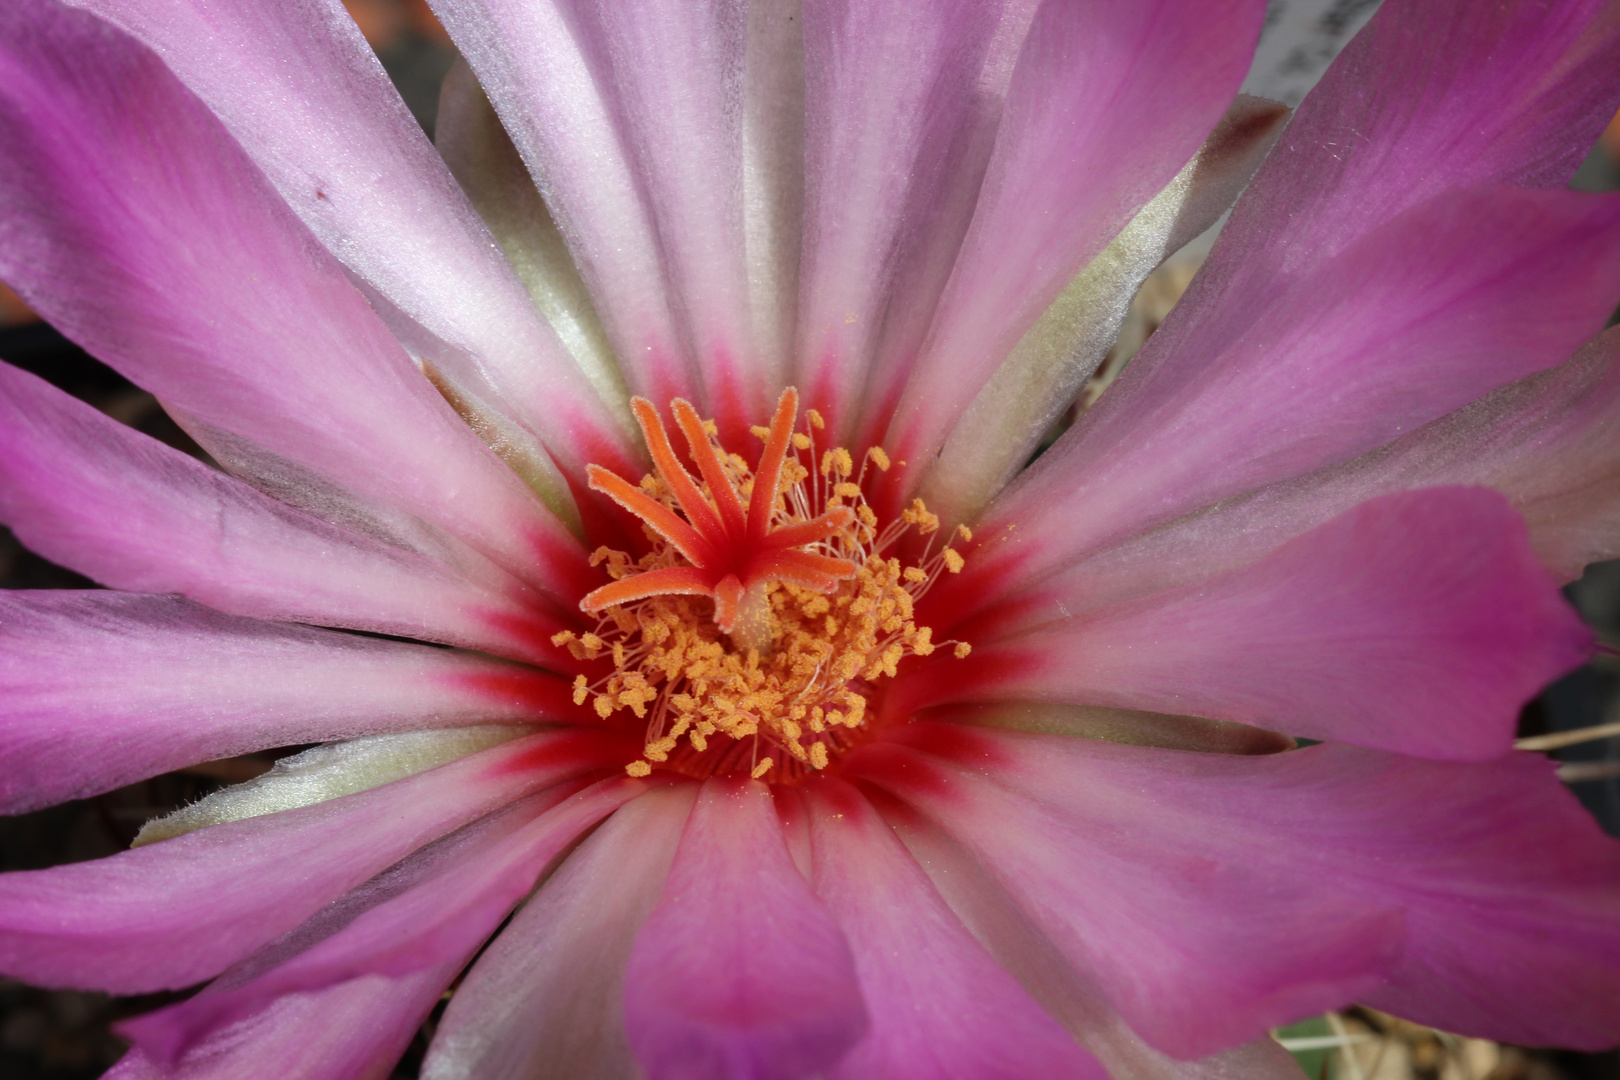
point(791, 693)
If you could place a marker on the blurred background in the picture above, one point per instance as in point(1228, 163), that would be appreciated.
point(64, 1035)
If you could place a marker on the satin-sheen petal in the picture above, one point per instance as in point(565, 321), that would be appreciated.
point(98, 497)
point(1427, 101)
point(440, 920)
point(1456, 298)
point(1546, 442)
point(941, 1008)
point(1419, 622)
point(99, 689)
point(480, 154)
point(228, 311)
point(356, 1030)
point(1197, 946)
point(1021, 949)
point(739, 973)
point(1002, 427)
point(1108, 101)
point(1497, 877)
point(545, 1001)
point(302, 92)
point(535, 62)
point(674, 71)
point(901, 103)
point(170, 914)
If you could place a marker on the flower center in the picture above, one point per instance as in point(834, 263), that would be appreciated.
point(752, 635)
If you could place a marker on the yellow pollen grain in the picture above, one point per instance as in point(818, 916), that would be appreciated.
point(698, 694)
point(962, 650)
point(815, 419)
point(965, 533)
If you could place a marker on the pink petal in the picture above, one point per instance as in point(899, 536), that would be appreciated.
point(1002, 428)
point(673, 74)
point(170, 914)
point(545, 1001)
point(1108, 101)
point(300, 90)
point(89, 493)
point(1428, 101)
point(902, 98)
point(1454, 299)
point(1508, 892)
point(229, 312)
point(1030, 956)
point(405, 927)
point(352, 1031)
point(99, 689)
point(545, 78)
point(469, 137)
point(940, 1007)
point(1418, 622)
point(739, 972)
point(1196, 945)
point(1548, 443)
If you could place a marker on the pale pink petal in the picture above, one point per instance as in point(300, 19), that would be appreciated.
point(1196, 945)
point(941, 1008)
point(302, 92)
point(1000, 430)
point(1108, 101)
point(673, 74)
point(101, 498)
point(1418, 622)
point(1507, 893)
point(99, 689)
point(536, 62)
point(739, 972)
point(1427, 101)
point(352, 1031)
point(1454, 299)
point(1546, 442)
point(436, 915)
point(229, 311)
point(469, 137)
point(173, 913)
point(1030, 956)
point(545, 1001)
point(902, 98)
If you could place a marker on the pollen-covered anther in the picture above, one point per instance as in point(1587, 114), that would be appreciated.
point(750, 635)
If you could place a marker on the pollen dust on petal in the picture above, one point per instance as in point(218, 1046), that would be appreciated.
point(783, 699)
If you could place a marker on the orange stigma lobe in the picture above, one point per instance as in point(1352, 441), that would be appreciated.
point(731, 553)
point(751, 638)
